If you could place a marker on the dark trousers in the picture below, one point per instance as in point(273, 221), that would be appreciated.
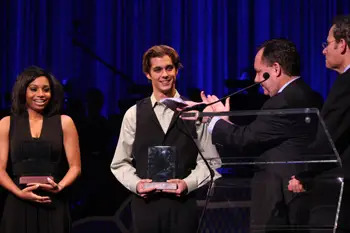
point(274, 208)
point(323, 200)
point(164, 214)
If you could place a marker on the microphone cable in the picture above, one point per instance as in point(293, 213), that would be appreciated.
point(200, 107)
point(211, 173)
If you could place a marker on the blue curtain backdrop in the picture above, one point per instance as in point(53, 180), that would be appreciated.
point(216, 39)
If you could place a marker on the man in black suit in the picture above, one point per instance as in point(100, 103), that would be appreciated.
point(336, 115)
point(274, 137)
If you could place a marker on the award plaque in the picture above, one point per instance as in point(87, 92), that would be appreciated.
point(34, 179)
point(161, 167)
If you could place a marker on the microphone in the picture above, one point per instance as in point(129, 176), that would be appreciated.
point(202, 106)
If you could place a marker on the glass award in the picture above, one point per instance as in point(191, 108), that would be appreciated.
point(161, 167)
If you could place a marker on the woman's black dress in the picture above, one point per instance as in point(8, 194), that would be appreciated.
point(36, 156)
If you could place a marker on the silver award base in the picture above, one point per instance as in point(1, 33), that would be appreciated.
point(160, 185)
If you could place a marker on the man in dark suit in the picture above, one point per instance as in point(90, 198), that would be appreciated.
point(336, 115)
point(274, 137)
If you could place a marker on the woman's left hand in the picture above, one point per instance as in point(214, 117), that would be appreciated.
point(51, 186)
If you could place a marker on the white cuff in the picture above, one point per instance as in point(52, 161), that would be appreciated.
point(212, 124)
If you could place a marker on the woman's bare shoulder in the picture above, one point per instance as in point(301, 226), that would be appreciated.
point(5, 123)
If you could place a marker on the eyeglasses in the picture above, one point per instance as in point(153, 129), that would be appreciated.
point(325, 44)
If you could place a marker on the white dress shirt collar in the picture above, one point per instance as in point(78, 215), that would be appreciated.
point(346, 68)
point(289, 82)
point(154, 100)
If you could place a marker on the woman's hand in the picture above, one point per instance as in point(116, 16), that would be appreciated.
point(51, 186)
point(28, 194)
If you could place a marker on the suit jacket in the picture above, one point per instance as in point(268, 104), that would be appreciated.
point(278, 137)
point(336, 115)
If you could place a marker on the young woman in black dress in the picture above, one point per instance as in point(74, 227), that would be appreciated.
point(42, 150)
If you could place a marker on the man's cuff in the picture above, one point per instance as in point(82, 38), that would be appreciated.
point(191, 184)
point(133, 185)
point(212, 124)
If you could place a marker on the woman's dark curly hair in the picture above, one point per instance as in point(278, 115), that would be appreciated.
point(20, 88)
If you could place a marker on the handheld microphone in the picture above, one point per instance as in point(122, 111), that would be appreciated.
point(202, 106)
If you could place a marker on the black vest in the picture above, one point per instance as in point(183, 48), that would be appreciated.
point(149, 133)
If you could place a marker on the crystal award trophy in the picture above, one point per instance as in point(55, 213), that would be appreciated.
point(161, 167)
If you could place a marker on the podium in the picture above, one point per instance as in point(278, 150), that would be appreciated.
point(252, 195)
